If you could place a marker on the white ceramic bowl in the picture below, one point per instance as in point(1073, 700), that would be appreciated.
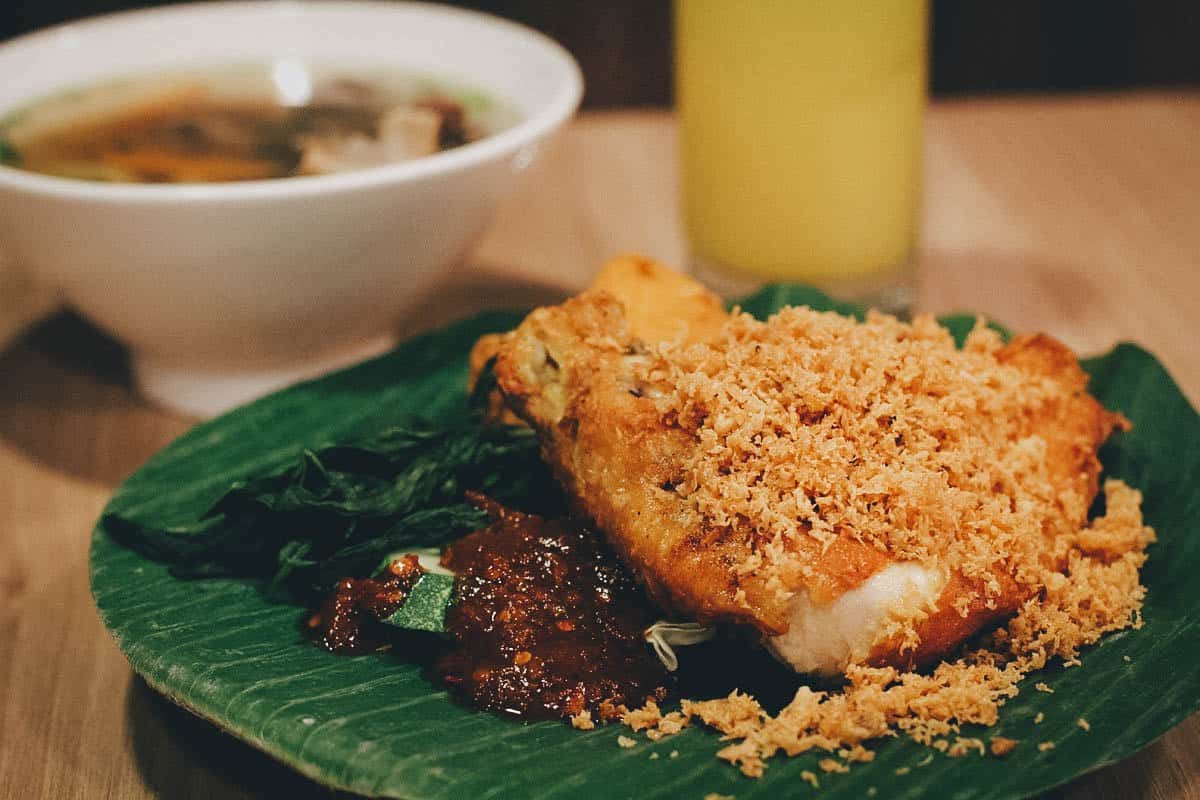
point(224, 291)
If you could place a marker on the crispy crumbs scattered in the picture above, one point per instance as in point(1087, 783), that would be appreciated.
point(1002, 746)
point(810, 778)
point(872, 791)
point(903, 770)
point(1127, 659)
point(926, 761)
point(1041, 687)
point(654, 756)
point(856, 753)
point(715, 796)
point(626, 742)
point(656, 724)
point(1083, 724)
point(669, 725)
point(1044, 746)
point(647, 716)
point(583, 721)
point(736, 716)
point(1038, 719)
point(962, 746)
point(610, 711)
point(674, 754)
point(1088, 598)
point(832, 765)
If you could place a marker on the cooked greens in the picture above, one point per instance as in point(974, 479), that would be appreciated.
point(425, 607)
point(340, 509)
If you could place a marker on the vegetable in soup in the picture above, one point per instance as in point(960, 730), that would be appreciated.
point(244, 123)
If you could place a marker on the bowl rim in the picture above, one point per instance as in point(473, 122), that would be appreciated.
point(530, 129)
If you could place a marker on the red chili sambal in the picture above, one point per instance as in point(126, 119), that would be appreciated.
point(546, 623)
point(347, 621)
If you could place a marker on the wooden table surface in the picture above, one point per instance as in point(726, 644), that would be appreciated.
point(1076, 216)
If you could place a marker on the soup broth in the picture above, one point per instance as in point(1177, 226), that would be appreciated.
point(244, 123)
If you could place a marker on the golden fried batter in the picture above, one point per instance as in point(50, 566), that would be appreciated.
point(660, 305)
point(863, 487)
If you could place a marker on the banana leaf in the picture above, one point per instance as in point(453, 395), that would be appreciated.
point(233, 651)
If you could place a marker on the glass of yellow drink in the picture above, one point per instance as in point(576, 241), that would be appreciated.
point(800, 134)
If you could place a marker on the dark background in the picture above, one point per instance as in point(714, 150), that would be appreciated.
point(624, 46)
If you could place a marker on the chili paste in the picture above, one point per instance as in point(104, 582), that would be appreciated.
point(547, 622)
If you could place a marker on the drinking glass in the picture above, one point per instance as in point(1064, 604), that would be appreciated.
point(800, 135)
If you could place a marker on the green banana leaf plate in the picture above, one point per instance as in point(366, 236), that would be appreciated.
point(376, 725)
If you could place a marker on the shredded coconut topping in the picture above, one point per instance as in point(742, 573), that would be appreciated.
point(1098, 591)
point(1002, 746)
point(910, 445)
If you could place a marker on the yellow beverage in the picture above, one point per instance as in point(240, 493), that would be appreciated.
point(801, 136)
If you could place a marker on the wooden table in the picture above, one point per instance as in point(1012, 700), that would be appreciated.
point(1076, 216)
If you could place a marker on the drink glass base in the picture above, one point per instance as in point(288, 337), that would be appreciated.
point(892, 292)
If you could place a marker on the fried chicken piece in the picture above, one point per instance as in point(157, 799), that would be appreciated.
point(856, 492)
point(660, 304)
point(484, 352)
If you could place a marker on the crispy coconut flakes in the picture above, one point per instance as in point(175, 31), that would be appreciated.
point(911, 445)
point(1097, 592)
